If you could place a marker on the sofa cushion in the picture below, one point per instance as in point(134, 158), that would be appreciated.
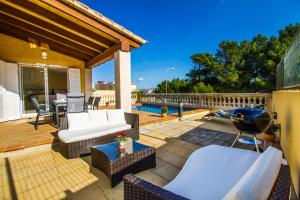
point(210, 172)
point(78, 121)
point(98, 117)
point(116, 116)
point(68, 136)
point(258, 182)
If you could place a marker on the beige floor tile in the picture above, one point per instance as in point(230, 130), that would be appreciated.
point(167, 172)
point(91, 192)
point(152, 177)
point(170, 158)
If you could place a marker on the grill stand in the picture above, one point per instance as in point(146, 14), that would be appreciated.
point(254, 138)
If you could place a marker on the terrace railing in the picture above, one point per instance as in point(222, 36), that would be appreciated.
point(223, 101)
point(111, 99)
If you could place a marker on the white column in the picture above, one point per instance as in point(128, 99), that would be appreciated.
point(123, 80)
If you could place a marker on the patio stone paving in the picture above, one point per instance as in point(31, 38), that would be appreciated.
point(46, 174)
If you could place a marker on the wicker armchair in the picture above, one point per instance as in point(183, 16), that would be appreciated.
point(75, 149)
point(139, 189)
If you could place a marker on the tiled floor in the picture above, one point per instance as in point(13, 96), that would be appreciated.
point(46, 174)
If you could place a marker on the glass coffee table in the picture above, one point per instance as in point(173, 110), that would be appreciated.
point(116, 163)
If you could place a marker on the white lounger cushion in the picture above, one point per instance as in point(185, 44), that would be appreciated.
point(98, 117)
point(258, 182)
point(78, 121)
point(68, 136)
point(210, 172)
point(116, 116)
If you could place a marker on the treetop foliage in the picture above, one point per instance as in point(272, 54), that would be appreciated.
point(245, 66)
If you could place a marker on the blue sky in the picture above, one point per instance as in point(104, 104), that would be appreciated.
point(176, 29)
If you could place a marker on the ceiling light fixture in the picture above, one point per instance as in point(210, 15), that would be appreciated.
point(44, 54)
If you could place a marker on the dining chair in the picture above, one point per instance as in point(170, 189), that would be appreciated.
point(89, 103)
point(61, 97)
point(40, 110)
point(75, 104)
point(96, 102)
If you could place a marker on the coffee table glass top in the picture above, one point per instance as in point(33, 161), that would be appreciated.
point(112, 150)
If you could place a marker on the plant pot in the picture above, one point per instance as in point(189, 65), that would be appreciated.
point(163, 115)
point(122, 145)
point(269, 137)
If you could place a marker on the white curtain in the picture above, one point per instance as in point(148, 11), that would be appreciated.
point(74, 86)
point(9, 92)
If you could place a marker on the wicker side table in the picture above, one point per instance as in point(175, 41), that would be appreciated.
point(115, 165)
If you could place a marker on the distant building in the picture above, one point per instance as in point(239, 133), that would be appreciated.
point(101, 85)
point(150, 90)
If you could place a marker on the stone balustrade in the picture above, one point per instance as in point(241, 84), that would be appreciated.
point(111, 99)
point(223, 101)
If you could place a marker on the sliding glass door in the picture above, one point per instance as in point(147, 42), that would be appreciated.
point(33, 80)
point(43, 82)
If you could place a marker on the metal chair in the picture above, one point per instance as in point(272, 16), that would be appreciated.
point(96, 102)
point(40, 110)
point(75, 104)
point(89, 103)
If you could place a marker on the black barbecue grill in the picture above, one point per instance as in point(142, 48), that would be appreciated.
point(251, 121)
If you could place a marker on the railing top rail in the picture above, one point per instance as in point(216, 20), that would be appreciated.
point(211, 94)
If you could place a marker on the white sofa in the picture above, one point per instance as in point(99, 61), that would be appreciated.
point(217, 172)
point(95, 127)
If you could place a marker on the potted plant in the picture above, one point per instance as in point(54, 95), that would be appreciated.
point(164, 111)
point(121, 137)
point(270, 133)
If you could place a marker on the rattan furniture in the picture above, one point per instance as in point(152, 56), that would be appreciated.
point(75, 149)
point(218, 172)
point(115, 164)
point(137, 189)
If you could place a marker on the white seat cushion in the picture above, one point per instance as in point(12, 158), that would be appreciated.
point(98, 117)
point(210, 172)
point(116, 116)
point(258, 182)
point(68, 136)
point(78, 121)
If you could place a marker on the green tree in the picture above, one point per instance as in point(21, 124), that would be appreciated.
point(202, 88)
point(246, 66)
point(175, 86)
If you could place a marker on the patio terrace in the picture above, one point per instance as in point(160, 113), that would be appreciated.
point(43, 173)
point(20, 134)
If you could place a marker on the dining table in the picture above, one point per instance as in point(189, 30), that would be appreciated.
point(57, 104)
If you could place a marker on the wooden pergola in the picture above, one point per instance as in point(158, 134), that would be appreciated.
point(67, 27)
point(71, 28)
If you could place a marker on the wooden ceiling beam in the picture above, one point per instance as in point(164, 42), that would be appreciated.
point(46, 34)
point(107, 54)
point(71, 35)
point(45, 13)
point(53, 45)
point(88, 20)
